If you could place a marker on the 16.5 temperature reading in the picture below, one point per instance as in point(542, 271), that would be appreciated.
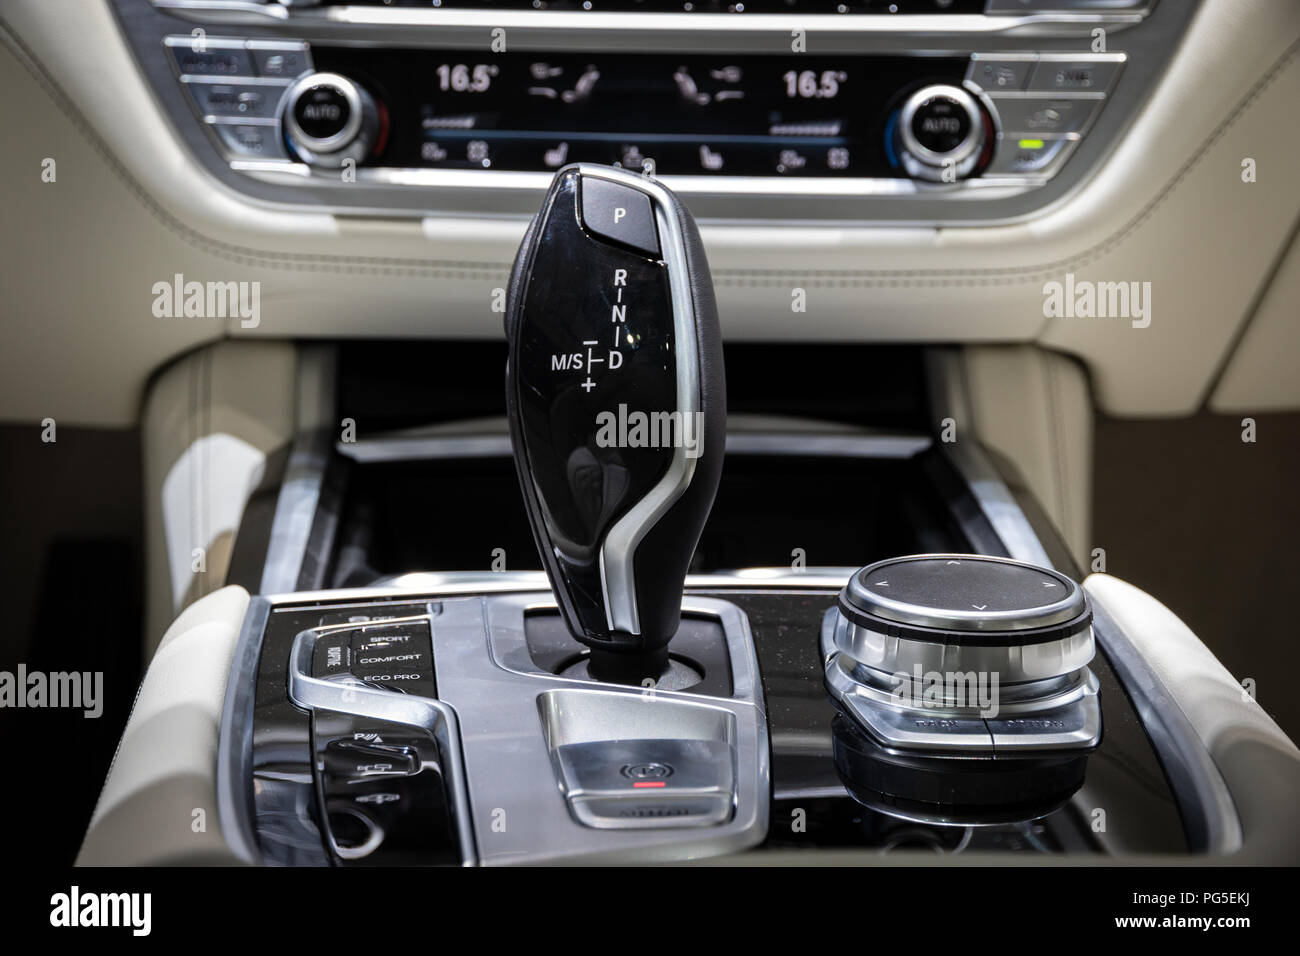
point(811, 85)
point(462, 78)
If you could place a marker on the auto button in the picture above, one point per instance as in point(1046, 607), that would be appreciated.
point(940, 134)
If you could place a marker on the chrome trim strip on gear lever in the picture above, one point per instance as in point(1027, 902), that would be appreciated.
point(618, 552)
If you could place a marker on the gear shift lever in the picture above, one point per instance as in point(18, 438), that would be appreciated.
point(617, 407)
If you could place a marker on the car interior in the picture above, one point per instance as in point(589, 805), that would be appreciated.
point(488, 433)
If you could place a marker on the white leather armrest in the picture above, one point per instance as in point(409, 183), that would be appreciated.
point(1258, 762)
point(159, 803)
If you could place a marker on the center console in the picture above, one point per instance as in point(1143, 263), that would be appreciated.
point(493, 756)
point(636, 701)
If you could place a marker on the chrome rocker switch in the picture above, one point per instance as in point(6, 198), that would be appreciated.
point(616, 401)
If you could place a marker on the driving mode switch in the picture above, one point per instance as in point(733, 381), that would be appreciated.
point(383, 786)
point(396, 657)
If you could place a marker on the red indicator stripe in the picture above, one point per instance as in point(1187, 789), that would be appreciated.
point(649, 783)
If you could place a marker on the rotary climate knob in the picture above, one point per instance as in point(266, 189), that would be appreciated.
point(328, 119)
point(941, 134)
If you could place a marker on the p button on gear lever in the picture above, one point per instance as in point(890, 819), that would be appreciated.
point(619, 213)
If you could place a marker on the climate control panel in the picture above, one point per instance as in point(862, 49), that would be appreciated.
point(786, 111)
point(931, 120)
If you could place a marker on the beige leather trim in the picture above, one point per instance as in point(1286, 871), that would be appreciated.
point(159, 803)
point(211, 421)
point(1033, 407)
point(1263, 374)
point(1259, 763)
point(1033, 411)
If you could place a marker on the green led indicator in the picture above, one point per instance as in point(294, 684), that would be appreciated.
point(1031, 144)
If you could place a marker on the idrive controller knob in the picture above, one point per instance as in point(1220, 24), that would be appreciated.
point(962, 682)
point(616, 402)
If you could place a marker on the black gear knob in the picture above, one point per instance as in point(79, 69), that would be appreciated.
point(616, 398)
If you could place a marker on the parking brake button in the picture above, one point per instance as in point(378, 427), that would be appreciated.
point(649, 784)
point(619, 213)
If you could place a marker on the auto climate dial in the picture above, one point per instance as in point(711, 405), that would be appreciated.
point(941, 134)
point(328, 120)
